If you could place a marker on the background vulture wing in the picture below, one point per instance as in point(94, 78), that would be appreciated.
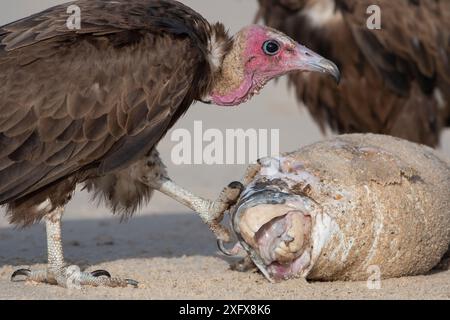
point(412, 45)
point(95, 98)
point(395, 80)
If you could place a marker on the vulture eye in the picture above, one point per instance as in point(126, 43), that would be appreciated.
point(271, 47)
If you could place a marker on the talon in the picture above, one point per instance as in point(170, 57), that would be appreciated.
point(232, 193)
point(132, 282)
point(100, 273)
point(236, 251)
point(236, 185)
point(224, 250)
point(20, 272)
point(221, 233)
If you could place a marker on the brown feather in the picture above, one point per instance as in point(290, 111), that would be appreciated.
point(86, 104)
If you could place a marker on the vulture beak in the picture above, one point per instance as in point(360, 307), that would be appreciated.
point(311, 61)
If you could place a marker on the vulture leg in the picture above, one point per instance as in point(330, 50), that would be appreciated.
point(211, 212)
point(57, 272)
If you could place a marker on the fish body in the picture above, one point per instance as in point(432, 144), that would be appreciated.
point(336, 209)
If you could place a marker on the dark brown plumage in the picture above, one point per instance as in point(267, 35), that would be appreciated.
point(90, 105)
point(79, 104)
point(394, 81)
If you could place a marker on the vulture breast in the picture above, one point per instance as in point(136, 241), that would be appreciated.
point(84, 103)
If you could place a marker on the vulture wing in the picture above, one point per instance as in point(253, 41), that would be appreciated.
point(97, 98)
point(395, 80)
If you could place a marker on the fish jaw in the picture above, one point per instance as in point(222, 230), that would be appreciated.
point(276, 235)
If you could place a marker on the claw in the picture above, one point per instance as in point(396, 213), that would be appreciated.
point(231, 194)
point(132, 282)
point(236, 185)
point(100, 273)
point(236, 251)
point(20, 272)
point(224, 250)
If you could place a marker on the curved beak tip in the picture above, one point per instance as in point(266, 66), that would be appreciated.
point(311, 61)
point(331, 68)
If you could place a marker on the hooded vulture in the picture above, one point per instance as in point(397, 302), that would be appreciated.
point(395, 80)
point(89, 105)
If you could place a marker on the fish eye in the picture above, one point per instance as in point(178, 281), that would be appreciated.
point(271, 47)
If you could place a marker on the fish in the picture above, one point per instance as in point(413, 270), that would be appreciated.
point(337, 209)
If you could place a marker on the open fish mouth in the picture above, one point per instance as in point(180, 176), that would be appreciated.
point(331, 210)
point(275, 229)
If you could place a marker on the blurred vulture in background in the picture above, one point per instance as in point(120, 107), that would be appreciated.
point(395, 80)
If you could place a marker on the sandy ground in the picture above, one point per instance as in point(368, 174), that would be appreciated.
point(165, 246)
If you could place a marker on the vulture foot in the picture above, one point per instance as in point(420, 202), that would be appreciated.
point(72, 278)
point(58, 273)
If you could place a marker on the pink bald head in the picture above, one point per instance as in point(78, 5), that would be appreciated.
point(263, 57)
point(260, 54)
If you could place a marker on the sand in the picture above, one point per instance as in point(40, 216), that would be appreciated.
point(165, 246)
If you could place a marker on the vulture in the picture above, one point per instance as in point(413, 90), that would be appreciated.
point(395, 80)
point(89, 105)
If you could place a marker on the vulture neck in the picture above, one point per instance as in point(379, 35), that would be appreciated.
point(232, 85)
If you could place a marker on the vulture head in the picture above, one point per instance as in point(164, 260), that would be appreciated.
point(257, 55)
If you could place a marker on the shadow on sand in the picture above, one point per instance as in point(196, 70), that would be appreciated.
point(103, 240)
point(94, 241)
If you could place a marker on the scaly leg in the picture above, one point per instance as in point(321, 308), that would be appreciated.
point(57, 273)
point(211, 212)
